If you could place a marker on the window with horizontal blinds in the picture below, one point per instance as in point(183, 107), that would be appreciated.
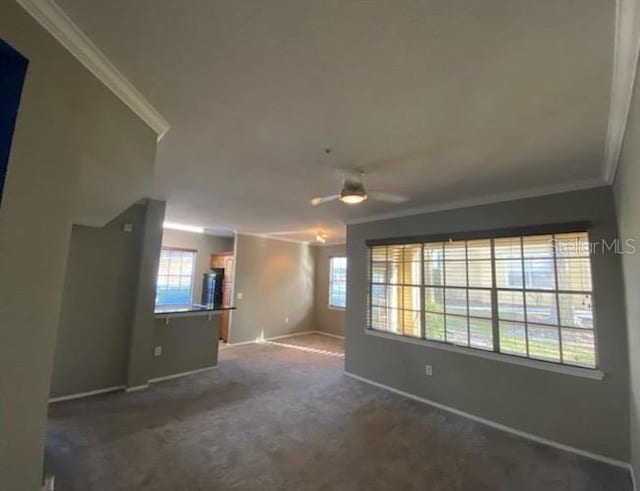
point(338, 282)
point(527, 295)
point(175, 276)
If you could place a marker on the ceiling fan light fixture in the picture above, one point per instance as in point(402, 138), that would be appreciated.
point(353, 193)
point(353, 199)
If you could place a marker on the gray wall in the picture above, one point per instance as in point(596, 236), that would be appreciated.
point(97, 306)
point(584, 413)
point(140, 361)
point(327, 319)
point(627, 187)
point(276, 280)
point(67, 122)
point(204, 244)
point(188, 343)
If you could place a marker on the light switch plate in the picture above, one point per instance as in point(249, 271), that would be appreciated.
point(157, 351)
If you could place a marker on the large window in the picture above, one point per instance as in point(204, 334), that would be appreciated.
point(338, 282)
point(527, 296)
point(175, 276)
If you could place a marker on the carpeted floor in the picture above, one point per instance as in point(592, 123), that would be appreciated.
point(277, 417)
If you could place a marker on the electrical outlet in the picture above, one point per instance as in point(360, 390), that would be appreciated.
point(127, 227)
point(428, 370)
point(239, 296)
point(157, 351)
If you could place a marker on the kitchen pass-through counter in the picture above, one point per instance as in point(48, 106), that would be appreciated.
point(185, 338)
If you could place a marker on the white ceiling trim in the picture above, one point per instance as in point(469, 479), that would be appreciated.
point(50, 16)
point(271, 237)
point(293, 241)
point(485, 200)
point(625, 61)
point(329, 244)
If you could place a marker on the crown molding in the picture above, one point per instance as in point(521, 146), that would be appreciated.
point(329, 244)
point(272, 237)
point(311, 243)
point(50, 16)
point(625, 61)
point(484, 200)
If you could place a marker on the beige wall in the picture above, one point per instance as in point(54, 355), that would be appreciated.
point(67, 121)
point(327, 319)
point(275, 279)
point(205, 245)
point(627, 192)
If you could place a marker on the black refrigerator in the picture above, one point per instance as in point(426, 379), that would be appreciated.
point(212, 287)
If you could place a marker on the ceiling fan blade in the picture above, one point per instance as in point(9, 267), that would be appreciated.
point(388, 197)
point(324, 199)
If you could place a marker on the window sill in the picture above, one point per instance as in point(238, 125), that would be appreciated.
point(593, 374)
point(333, 307)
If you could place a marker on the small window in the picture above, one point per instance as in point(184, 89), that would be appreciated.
point(175, 276)
point(338, 282)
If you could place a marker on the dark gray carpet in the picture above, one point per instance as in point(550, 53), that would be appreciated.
point(274, 417)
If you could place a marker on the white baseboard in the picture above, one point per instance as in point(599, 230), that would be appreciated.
point(181, 374)
point(116, 388)
point(633, 478)
point(136, 388)
point(529, 436)
point(241, 343)
point(299, 333)
point(258, 340)
point(293, 334)
point(49, 483)
point(328, 334)
point(90, 393)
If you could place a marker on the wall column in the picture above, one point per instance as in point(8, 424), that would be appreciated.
point(141, 341)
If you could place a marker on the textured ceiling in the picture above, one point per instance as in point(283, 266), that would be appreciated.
point(440, 100)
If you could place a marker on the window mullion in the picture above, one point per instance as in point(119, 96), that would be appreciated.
point(494, 301)
point(524, 298)
point(423, 326)
point(444, 292)
point(371, 287)
point(466, 266)
point(555, 272)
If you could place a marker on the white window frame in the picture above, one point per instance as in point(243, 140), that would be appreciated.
point(331, 281)
point(584, 371)
point(194, 252)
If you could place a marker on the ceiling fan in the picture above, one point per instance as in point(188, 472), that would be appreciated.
point(353, 192)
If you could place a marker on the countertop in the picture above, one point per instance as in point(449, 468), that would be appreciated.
point(166, 310)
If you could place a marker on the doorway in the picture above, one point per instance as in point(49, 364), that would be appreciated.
point(225, 261)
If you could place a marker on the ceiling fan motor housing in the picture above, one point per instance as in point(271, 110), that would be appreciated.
point(353, 188)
